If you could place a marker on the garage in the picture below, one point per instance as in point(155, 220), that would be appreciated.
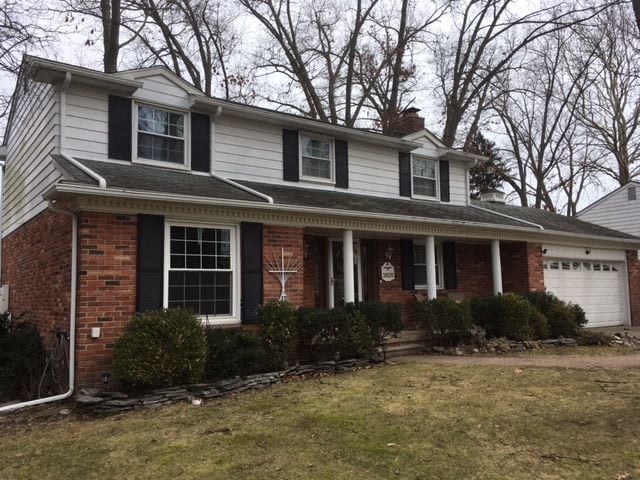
point(595, 282)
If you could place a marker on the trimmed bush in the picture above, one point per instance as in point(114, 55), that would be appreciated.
point(232, 352)
point(22, 362)
point(384, 320)
point(447, 321)
point(279, 333)
point(564, 319)
point(161, 348)
point(509, 315)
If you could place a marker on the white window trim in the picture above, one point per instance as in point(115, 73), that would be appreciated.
point(440, 276)
point(234, 317)
point(437, 179)
point(186, 164)
point(332, 166)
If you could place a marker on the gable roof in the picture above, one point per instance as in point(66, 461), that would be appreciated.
point(632, 183)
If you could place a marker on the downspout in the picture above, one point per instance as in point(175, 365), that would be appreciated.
point(504, 215)
point(72, 322)
point(74, 278)
point(234, 184)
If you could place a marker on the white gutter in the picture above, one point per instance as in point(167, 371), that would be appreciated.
point(72, 322)
point(493, 212)
point(102, 183)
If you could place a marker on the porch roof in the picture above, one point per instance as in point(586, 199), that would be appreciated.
point(135, 177)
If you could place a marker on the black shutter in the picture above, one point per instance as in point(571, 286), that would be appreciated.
point(200, 142)
point(290, 154)
point(449, 261)
point(119, 128)
point(405, 174)
point(444, 181)
point(150, 262)
point(251, 270)
point(406, 258)
point(342, 163)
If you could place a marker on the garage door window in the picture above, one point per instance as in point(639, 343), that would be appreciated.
point(579, 266)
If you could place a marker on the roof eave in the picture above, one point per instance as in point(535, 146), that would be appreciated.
point(46, 71)
point(269, 116)
point(460, 156)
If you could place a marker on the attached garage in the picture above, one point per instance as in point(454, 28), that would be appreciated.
point(594, 279)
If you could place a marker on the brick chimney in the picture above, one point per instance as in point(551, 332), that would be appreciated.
point(408, 122)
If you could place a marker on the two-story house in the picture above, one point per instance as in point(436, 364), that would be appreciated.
point(132, 191)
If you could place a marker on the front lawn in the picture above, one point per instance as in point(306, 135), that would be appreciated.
point(405, 421)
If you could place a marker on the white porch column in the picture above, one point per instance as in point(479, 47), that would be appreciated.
point(430, 244)
point(347, 258)
point(496, 267)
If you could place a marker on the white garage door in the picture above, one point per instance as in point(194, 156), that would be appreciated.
point(598, 287)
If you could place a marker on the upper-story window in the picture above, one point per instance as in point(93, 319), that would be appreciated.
point(161, 135)
point(424, 174)
point(316, 157)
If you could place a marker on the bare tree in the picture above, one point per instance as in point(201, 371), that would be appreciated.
point(487, 36)
point(337, 60)
point(537, 110)
point(610, 108)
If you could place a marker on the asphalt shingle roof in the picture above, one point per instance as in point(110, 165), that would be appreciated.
point(162, 180)
point(553, 221)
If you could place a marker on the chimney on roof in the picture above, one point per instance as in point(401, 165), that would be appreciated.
point(492, 196)
point(407, 122)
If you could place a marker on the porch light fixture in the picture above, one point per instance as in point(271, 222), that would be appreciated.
point(544, 251)
point(587, 251)
point(388, 252)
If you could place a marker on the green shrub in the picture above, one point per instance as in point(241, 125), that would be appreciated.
point(22, 362)
point(383, 319)
point(232, 352)
point(5, 324)
point(564, 319)
point(447, 321)
point(160, 348)
point(509, 315)
point(279, 333)
point(336, 333)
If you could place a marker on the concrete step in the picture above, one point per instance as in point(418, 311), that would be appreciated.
point(407, 336)
point(404, 349)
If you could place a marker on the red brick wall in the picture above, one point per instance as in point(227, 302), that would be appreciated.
point(633, 267)
point(36, 264)
point(107, 246)
point(521, 267)
point(392, 292)
point(473, 270)
point(292, 239)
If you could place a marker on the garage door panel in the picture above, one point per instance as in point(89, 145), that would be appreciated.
point(597, 286)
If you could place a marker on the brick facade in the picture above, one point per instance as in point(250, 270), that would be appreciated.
point(633, 268)
point(392, 292)
point(292, 240)
point(36, 264)
point(521, 267)
point(107, 246)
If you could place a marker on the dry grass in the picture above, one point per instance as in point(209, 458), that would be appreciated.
point(591, 351)
point(406, 421)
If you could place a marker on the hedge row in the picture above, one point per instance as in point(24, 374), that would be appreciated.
point(535, 315)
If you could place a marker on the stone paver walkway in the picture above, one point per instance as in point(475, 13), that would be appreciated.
point(613, 362)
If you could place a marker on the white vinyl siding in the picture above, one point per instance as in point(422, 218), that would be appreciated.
point(33, 137)
point(616, 212)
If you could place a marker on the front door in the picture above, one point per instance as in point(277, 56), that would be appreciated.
point(336, 273)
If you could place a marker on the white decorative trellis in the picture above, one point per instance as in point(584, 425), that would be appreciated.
point(283, 268)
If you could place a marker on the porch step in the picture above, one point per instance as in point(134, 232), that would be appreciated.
point(399, 349)
point(407, 336)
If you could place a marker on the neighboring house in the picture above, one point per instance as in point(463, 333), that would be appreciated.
point(619, 210)
point(165, 197)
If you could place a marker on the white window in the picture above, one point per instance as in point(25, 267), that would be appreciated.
point(200, 270)
point(316, 158)
point(160, 135)
point(424, 174)
point(420, 266)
